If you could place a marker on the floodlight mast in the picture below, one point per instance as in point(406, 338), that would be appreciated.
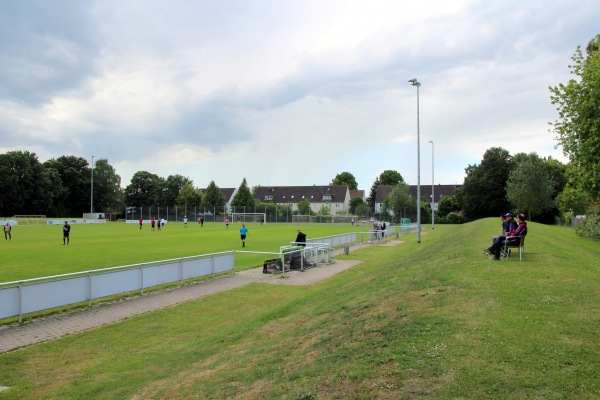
point(92, 190)
point(432, 190)
point(416, 83)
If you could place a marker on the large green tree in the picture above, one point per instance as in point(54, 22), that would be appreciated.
point(572, 201)
point(345, 178)
point(398, 200)
point(26, 186)
point(75, 174)
point(213, 199)
point(483, 193)
point(243, 198)
point(108, 195)
point(529, 187)
point(390, 177)
point(578, 124)
point(172, 187)
point(145, 190)
point(189, 196)
point(387, 177)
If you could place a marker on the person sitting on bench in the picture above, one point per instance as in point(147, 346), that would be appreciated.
point(510, 237)
point(508, 224)
point(301, 239)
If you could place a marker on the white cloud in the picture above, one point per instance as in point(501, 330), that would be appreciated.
point(284, 92)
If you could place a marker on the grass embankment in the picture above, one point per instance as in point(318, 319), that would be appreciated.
point(436, 319)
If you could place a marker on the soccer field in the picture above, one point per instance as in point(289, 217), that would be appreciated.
point(38, 251)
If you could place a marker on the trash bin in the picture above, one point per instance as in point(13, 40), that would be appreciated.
point(346, 250)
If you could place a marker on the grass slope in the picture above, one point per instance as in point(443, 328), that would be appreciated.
point(435, 319)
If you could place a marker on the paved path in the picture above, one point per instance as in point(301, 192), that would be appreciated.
point(55, 326)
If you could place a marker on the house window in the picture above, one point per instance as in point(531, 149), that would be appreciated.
point(268, 198)
point(326, 197)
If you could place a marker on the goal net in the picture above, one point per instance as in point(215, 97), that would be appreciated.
point(302, 218)
point(249, 217)
point(30, 219)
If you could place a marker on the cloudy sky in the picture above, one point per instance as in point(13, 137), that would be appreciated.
point(285, 92)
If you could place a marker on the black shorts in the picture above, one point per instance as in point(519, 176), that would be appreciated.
point(243, 237)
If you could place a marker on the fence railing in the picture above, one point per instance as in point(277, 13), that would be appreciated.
point(32, 295)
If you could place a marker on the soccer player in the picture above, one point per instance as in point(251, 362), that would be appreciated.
point(185, 220)
point(7, 229)
point(243, 233)
point(227, 223)
point(66, 232)
point(141, 223)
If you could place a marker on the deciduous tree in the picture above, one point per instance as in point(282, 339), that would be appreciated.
point(144, 190)
point(75, 174)
point(578, 125)
point(529, 187)
point(172, 186)
point(189, 196)
point(390, 177)
point(398, 200)
point(26, 187)
point(108, 195)
point(483, 193)
point(345, 178)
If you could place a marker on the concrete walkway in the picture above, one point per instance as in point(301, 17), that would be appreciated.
point(55, 326)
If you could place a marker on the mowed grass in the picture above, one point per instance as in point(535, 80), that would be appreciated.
point(38, 251)
point(431, 320)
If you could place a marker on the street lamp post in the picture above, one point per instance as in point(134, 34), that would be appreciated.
point(416, 83)
point(432, 190)
point(92, 190)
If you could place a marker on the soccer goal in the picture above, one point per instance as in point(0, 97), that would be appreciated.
point(30, 219)
point(249, 217)
point(302, 218)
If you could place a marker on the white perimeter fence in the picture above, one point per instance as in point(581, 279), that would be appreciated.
point(22, 297)
point(31, 295)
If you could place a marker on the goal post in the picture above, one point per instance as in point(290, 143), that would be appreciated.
point(302, 218)
point(249, 217)
point(30, 219)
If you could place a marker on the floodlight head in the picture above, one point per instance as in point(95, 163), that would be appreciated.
point(415, 82)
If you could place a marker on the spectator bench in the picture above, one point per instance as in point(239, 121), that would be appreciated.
point(517, 244)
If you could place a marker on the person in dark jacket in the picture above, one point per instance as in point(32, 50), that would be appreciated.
point(508, 224)
point(521, 230)
point(301, 238)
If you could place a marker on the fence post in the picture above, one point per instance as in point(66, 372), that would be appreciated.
point(90, 289)
point(20, 302)
point(180, 271)
point(142, 279)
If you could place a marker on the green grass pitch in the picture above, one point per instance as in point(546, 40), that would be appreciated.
point(38, 251)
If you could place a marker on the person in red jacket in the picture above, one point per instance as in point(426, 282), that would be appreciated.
point(521, 230)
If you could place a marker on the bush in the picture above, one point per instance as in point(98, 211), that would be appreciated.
point(451, 218)
point(590, 226)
